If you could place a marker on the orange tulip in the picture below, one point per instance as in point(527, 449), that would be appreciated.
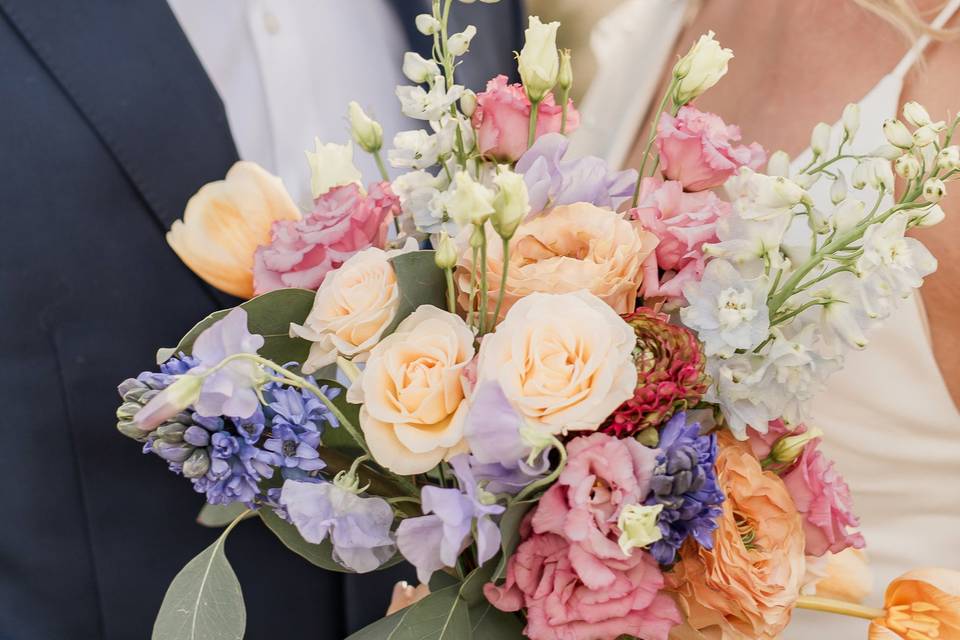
point(921, 605)
point(225, 222)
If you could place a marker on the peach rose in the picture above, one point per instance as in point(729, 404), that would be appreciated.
point(225, 222)
point(747, 585)
point(574, 247)
point(412, 392)
point(352, 308)
point(923, 604)
point(564, 361)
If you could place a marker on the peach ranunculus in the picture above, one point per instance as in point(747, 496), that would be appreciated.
point(225, 222)
point(412, 391)
point(747, 585)
point(352, 308)
point(564, 361)
point(923, 604)
point(574, 247)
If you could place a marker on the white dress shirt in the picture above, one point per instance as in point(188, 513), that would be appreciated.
point(286, 70)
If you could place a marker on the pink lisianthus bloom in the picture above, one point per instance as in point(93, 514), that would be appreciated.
point(343, 221)
point(697, 149)
point(683, 223)
point(823, 500)
point(502, 119)
point(560, 604)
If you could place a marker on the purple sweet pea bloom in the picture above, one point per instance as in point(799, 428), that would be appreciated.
point(359, 528)
point(553, 181)
point(433, 541)
point(230, 391)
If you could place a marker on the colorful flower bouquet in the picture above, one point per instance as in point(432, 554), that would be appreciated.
point(580, 414)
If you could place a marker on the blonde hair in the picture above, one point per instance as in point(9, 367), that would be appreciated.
point(905, 16)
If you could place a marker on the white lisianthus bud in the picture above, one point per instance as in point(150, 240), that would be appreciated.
point(925, 135)
point(511, 204)
point(638, 526)
point(366, 131)
point(468, 103)
point(851, 120)
point(427, 24)
point(445, 256)
point(887, 152)
point(949, 158)
point(468, 202)
point(565, 77)
point(779, 164)
point(838, 190)
point(897, 134)
point(539, 60)
point(915, 114)
point(934, 189)
point(881, 174)
point(848, 214)
point(907, 166)
point(820, 139)
point(700, 69)
point(789, 448)
point(459, 43)
point(418, 69)
point(331, 165)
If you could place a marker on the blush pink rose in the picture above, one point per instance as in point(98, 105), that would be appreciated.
point(683, 223)
point(343, 222)
point(502, 119)
point(823, 500)
point(697, 149)
point(603, 474)
point(560, 605)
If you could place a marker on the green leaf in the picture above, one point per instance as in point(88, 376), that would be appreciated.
point(220, 515)
point(442, 615)
point(486, 621)
point(420, 281)
point(510, 533)
point(269, 315)
point(204, 601)
point(340, 438)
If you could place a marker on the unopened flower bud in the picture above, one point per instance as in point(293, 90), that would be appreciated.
point(700, 69)
point(779, 164)
point(127, 410)
point(915, 114)
point(897, 134)
point(818, 222)
point(468, 201)
point(446, 254)
point(181, 393)
point(925, 135)
point(848, 214)
point(907, 166)
point(649, 437)
point(197, 436)
point(565, 77)
point(427, 24)
point(820, 139)
point(366, 131)
point(459, 43)
point(197, 464)
point(934, 189)
point(858, 179)
point(130, 429)
point(838, 190)
point(929, 217)
point(172, 451)
point(948, 159)
point(511, 204)
point(807, 180)
point(476, 237)
point(887, 152)
point(539, 61)
point(638, 526)
point(171, 432)
point(418, 69)
point(468, 103)
point(788, 448)
point(851, 120)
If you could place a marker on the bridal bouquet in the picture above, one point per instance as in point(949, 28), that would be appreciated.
point(573, 398)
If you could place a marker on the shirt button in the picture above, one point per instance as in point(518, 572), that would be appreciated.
point(271, 23)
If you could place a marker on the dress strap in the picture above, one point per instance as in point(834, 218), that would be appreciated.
point(921, 44)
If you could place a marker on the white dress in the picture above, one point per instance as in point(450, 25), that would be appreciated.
point(889, 421)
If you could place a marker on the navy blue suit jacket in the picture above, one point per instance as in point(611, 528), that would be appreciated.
point(108, 124)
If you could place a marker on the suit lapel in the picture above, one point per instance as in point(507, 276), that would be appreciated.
point(131, 72)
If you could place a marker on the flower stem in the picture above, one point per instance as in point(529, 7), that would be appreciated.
point(382, 167)
point(484, 303)
point(828, 605)
point(503, 279)
point(547, 480)
point(473, 285)
point(451, 293)
point(534, 114)
point(651, 138)
point(349, 369)
point(564, 98)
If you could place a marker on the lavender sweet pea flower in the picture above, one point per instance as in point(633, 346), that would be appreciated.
point(433, 541)
point(358, 527)
point(553, 181)
point(230, 390)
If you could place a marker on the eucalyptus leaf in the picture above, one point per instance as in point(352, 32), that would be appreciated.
point(442, 615)
point(510, 533)
point(340, 438)
point(489, 623)
point(420, 281)
point(204, 601)
point(269, 315)
point(220, 515)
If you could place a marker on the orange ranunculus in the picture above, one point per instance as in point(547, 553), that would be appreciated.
point(747, 585)
point(225, 222)
point(923, 604)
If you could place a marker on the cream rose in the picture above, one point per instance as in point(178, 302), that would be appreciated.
point(574, 247)
point(563, 360)
point(412, 392)
point(352, 308)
